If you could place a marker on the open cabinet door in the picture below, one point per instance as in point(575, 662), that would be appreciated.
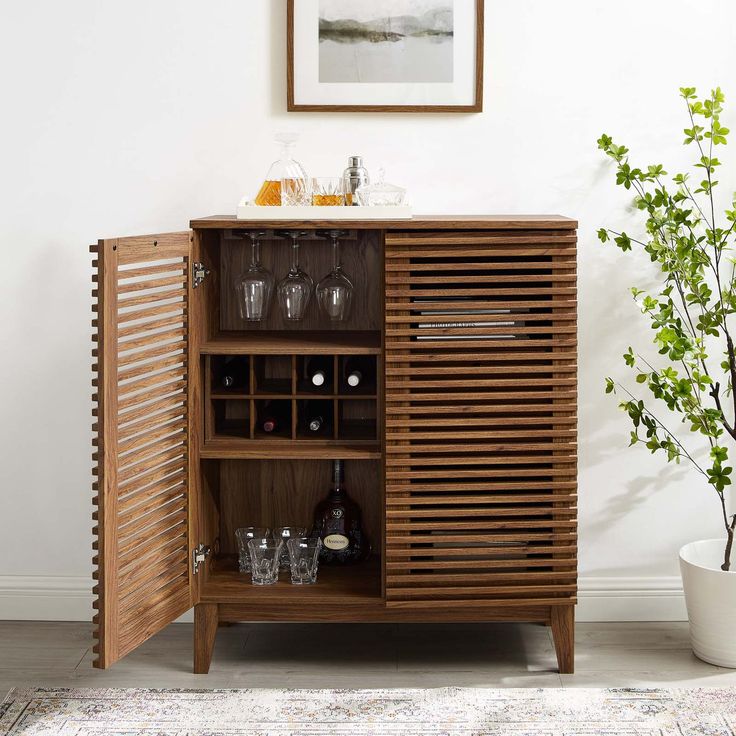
point(143, 532)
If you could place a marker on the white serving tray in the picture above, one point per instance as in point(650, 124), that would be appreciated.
point(248, 211)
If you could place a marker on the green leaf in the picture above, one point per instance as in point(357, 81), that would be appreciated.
point(605, 142)
point(719, 453)
point(623, 241)
point(718, 476)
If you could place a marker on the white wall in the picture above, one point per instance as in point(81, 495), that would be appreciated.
point(128, 118)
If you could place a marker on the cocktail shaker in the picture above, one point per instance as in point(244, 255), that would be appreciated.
point(356, 175)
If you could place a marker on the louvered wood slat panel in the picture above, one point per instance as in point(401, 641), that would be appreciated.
point(142, 415)
point(481, 428)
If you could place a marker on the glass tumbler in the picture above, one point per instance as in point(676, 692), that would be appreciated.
point(296, 192)
point(304, 559)
point(264, 560)
point(328, 191)
point(285, 533)
point(243, 536)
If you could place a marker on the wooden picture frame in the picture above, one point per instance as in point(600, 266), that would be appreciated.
point(476, 105)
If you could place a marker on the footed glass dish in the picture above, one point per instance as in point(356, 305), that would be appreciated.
point(380, 194)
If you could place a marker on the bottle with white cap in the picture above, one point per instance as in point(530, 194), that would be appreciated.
point(319, 371)
point(356, 175)
point(359, 371)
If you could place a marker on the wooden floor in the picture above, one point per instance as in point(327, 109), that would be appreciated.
point(362, 656)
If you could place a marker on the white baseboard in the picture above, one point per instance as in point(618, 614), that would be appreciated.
point(36, 598)
point(42, 598)
point(630, 599)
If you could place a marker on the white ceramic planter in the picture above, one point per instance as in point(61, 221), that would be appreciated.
point(710, 596)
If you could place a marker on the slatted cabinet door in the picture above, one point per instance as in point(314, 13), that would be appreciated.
point(481, 418)
point(142, 547)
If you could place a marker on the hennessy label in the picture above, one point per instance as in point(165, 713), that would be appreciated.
point(335, 541)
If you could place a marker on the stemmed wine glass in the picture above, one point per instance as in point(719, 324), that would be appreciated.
point(295, 290)
point(335, 291)
point(255, 286)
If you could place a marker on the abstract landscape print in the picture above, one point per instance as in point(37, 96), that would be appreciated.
point(386, 41)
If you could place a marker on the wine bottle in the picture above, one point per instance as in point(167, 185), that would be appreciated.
point(234, 372)
point(317, 415)
point(319, 370)
point(274, 417)
point(338, 523)
point(358, 371)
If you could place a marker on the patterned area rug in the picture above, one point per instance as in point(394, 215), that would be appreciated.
point(461, 711)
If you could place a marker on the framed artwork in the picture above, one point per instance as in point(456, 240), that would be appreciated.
point(385, 55)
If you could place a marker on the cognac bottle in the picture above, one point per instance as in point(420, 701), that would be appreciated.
point(337, 521)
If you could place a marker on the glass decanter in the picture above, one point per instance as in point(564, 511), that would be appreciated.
point(295, 290)
point(255, 286)
point(335, 291)
point(285, 169)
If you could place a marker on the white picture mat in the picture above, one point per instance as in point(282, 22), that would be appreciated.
point(308, 90)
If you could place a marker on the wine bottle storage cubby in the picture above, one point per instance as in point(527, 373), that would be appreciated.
point(231, 417)
point(300, 398)
point(357, 419)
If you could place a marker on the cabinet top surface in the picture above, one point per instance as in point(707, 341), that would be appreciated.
point(418, 222)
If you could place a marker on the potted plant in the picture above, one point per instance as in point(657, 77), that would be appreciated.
point(694, 376)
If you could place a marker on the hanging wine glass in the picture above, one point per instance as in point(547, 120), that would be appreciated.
point(295, 290)
point(335, 291)
point(255, 286)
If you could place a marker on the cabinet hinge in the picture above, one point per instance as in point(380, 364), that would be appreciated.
point(199, 274)
point(199, 554)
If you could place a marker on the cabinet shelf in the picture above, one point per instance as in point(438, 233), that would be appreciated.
point(221, 395)
point(294, 342)
point(353, 584)
point(229, 448)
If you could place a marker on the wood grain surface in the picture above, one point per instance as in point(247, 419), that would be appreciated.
point(480, 332)
point(142, 423)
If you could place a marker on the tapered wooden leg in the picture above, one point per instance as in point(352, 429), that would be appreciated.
point(563, 632)
point(205, 629)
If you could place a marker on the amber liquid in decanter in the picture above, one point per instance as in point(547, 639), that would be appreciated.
point(269, 194)
point(285, 169)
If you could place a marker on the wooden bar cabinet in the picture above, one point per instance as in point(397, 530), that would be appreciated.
point(461, 453)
